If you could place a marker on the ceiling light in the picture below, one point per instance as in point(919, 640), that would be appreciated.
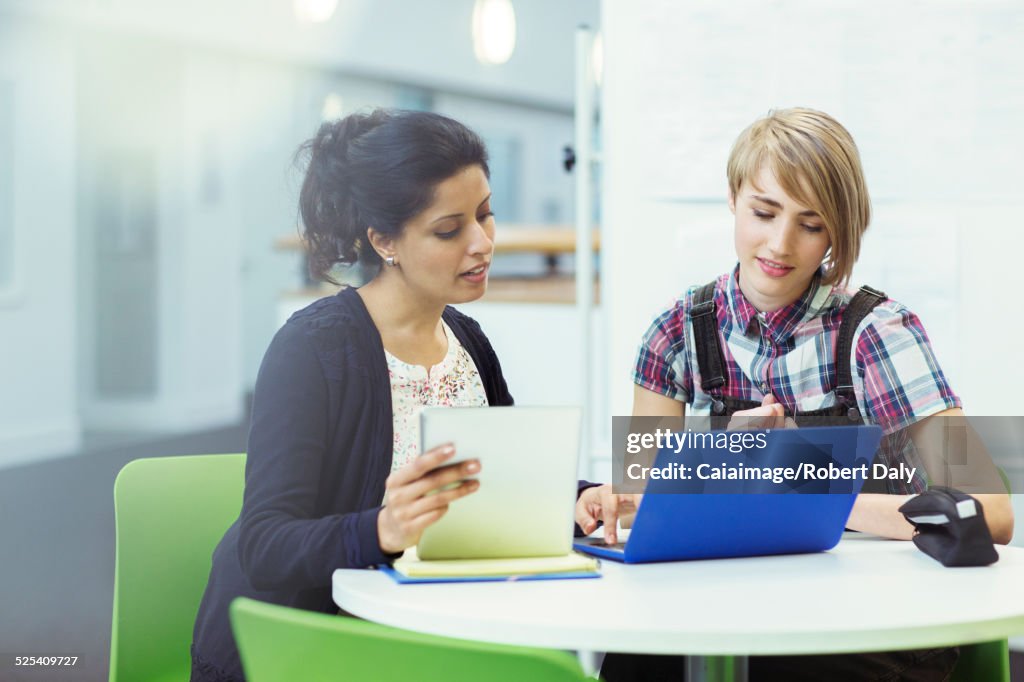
point(314, 11)
point(494, 31)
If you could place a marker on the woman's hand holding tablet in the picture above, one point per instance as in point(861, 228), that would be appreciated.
point(418, 495)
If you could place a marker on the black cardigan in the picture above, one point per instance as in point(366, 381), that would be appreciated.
point(320, 449)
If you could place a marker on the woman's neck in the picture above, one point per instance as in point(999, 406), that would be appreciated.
point(409, 327)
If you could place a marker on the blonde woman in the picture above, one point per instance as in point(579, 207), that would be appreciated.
point(779, 336)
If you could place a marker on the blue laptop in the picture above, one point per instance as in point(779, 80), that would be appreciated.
point(728, 512)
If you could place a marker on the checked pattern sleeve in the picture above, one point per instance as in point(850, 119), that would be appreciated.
point(901, 380)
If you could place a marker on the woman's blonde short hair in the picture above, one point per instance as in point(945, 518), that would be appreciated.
point(816, 162)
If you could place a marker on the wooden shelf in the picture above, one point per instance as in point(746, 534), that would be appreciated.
point(557, 290)
point(549, 240)
point(561, 289)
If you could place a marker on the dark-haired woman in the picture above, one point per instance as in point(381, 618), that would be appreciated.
point(333, 477)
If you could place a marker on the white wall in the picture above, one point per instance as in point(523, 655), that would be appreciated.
point(204, 330)
point(267, 190)
point(37, 319)
point(158, 102)
point(931, 94)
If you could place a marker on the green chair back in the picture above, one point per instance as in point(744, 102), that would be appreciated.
point(170, 512)
point(988, 661)
point(280, 644)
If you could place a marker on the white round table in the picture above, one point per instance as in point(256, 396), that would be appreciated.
point(867, 594)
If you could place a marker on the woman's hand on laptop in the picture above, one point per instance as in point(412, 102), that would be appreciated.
point(417, 496)
point(601, 504)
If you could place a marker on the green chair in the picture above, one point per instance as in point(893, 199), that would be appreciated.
point(280, 644)
point(171, 512)
point(987, 661)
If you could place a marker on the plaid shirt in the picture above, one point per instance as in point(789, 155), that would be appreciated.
point(791, 353)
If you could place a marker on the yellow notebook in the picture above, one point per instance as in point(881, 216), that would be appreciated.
point(410, 568)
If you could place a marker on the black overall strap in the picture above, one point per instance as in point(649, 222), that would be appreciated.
point(862, 303)
point(708, 344)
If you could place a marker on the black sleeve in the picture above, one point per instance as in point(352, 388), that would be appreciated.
point(582, 485)
point(484, 357)
point(282, 544)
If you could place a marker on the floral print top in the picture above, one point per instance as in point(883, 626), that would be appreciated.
point(454, 382)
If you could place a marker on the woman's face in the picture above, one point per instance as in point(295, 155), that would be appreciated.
point(780, 243)
point(444, 252)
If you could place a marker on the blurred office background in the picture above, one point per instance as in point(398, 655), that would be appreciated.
point(147, 177)
point(148, 212)
point(148, 215)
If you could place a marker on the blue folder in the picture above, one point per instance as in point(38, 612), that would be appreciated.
point(403, 579)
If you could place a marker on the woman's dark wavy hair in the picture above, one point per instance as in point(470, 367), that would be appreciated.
point(376, 169)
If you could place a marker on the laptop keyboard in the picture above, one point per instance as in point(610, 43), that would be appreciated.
point(599, 542)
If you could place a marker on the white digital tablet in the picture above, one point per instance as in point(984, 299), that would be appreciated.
point(528, 462)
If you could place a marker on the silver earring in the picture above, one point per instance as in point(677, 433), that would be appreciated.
point(390, 260)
